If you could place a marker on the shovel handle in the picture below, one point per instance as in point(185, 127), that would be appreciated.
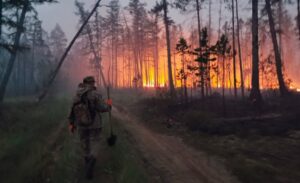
point(109, 112)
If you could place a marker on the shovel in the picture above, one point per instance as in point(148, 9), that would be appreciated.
point(113, 138)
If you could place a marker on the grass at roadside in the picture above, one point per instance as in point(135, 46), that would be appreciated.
point(255, 150)
point(126, 159)
point(24, 131)
point(36, 147)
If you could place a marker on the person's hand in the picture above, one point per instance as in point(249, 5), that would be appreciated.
point(72, 128)
point(109, 102)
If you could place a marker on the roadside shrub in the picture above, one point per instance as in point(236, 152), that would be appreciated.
point(200, 121)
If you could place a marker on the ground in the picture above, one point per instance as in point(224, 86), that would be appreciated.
point(172, 160)
point(153, 145)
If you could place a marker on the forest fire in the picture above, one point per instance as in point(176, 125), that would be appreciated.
point(148, 85)
point(197, 90)
point(294, 88)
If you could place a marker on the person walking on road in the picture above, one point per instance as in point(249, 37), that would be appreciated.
point(85, 117)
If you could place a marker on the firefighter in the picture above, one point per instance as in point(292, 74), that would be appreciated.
point(85, 117)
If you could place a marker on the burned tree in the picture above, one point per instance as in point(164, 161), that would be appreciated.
point(282, 87)
point(255, 94)
point(163, 6)
point(92, 47)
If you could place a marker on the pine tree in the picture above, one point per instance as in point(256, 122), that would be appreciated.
point(223, 50)
point(255, 94)
point(233, 49)
point(282, 87)
point(90, 39)
point(25, 6)
point(182, 5)
point(183, 49)
point(239, 49)
point(58, 41)
point(163, 6)
point(298, 17)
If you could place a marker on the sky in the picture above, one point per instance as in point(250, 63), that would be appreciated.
point(63, 14)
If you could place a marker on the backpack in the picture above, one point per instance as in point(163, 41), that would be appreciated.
point(83, 112)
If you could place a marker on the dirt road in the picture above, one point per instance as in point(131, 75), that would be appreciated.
point(172, 160)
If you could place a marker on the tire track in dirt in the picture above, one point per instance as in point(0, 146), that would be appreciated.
point(175, 161)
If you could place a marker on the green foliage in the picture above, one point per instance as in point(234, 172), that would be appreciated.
point(158, 7)
point(124, 160)
point(183, 4)
point(199, 121)
point(35, 149)
point(222, 46)
point(204, 56)
point(24, 132)
point(182, 46)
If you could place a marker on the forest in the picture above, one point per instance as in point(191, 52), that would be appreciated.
point(202, 90)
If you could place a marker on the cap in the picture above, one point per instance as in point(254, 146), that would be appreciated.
point(89, 79)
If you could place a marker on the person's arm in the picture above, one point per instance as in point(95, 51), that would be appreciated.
point(71, 118)
point(101, 105)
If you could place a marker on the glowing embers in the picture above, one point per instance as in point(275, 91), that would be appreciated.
point(294, 88)
point(151, 85)
point(148, 85)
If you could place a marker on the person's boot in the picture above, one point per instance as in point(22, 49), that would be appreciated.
point(90, 163)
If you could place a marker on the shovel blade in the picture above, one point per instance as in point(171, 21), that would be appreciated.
point(112, 140)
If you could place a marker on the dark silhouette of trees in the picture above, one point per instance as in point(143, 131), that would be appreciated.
point(255, 94)
point(223, 50)
point(298, 17)
point(239, 49)
point(16, 21)
point(233, 49)
point(58, 41)
point(14, 50)
point(112, 23)
point(163, 6)
point(92, 48)
point(53, 76)
point(183, 49)
point(282, 87)
point(1, 7)
point(138, 27)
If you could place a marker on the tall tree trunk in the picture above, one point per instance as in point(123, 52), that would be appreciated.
point(255, 94)
point(219, 34)
point(156, 51)
point(174, 68)
point(223, 86)
point(96, 54)
point(166, 21)
point(282, 86)
point(280, 28)
point(1, 7)
point(239, 48)
point(209, 39)
point(298, 17)
point(233, 51)
point(184, 80)
point(116, 63)
point(130, 47)
point(98, 47)
point(13, 54)
point(199, 34)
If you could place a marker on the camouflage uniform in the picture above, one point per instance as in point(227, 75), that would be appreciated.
point(89, 135)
